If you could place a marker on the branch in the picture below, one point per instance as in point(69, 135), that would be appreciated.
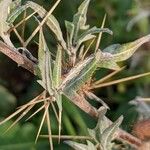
point(30, 66)
point(17, 57)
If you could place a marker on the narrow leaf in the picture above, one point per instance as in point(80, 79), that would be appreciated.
point(89, 34)
point(102, 123)
point(70, 31)
point(83, 75)
point(4, 27)
point(125, 51)
point(51, 22)
point(107, 135)
point(79, 19)
point(94, 30)
point(45, 64)
point(91, 146)
point(14, 14)
point(4, 12)
point(75, 71)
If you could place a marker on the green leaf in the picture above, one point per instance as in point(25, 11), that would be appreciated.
point(79, 19)
point(91, 146)
point(86, 38)
point(15, 13)
point(92, 133)
point(45, 65)
point(57, 75)
point(109, 64)
point(52, 22)
point(57, 67)
point(77, 146)
point(124, 51)
point(80, 74)
point(102, 123)
point(14, 5)
point(94, 30)
point(75, 71)
point(70, 31)
point(111, 49)
point(108, 134)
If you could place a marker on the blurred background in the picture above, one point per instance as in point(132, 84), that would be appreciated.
point(129, 20)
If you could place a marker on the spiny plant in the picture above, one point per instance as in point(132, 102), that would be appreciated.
point(70, 72)
point(102, 135)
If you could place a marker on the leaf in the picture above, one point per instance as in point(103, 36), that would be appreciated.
point(91, 146)
point(57, 75)
point(92, 133)
point(81, 73)
point(75, 71)
point(106, 61)
point(70, 31)
point(125, 51)
point(109, 64)
point(87, 35)
point(79, 19)
point(102, 123)
point(52, 22)
point(57, 67)
point(77, 146)
point(107, 135)
point(94, 30)
point(86, 38)
point(44, 64)
point(14, 5)
point(15, 13)
point(4, 12)
point(111, 49)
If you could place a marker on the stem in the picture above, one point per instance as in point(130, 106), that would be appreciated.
point(68, 137)
point(30, 66)
point(17, 57)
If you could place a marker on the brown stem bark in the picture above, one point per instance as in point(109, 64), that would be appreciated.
point(17, 57)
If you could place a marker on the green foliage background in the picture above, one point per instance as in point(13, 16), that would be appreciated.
point(17, 86)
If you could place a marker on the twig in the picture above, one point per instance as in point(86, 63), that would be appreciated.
point(17, 57)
